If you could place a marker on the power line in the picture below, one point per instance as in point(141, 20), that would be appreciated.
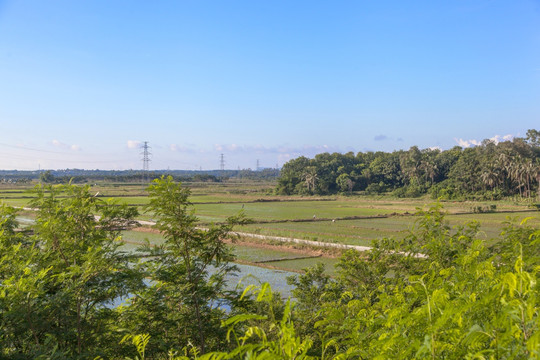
point(71, 154)
point(23, 157)
point(31, 149)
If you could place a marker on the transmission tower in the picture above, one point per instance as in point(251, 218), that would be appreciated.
point(222, 162)
point(257, 168)
point(146, 156)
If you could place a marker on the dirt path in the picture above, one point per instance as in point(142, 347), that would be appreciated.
point(302, 241)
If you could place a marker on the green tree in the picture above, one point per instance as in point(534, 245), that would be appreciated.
point(46, 177)
point(182, 304)
point(291, 175)
point(345, 183)
point(59, 287)
point(459, 300)
point(310, 178)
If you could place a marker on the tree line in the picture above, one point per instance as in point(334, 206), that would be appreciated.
point(69, 290)
point(83, 176)
point(488, 171)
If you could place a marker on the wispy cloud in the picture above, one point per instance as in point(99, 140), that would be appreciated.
point(61, 145)
point(176, 147)
point(184, 148)
point(229, 148)
point(307, 149)
point(133, 144)
point(283, 158)
point(380, 138)
point(281, 153)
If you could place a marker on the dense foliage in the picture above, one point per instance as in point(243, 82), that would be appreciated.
point(439, 293)
point(487, 171)
point(58, 281)
point(62, 282)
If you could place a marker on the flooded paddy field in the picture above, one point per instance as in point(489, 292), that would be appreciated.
point(348, 220)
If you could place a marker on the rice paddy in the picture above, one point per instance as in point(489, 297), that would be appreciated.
point(354, 220)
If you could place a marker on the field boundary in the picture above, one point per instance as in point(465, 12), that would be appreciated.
point(314, 243)
point(288, 258)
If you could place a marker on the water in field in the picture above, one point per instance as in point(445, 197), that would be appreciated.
point(286, 263)
point(25, 221)
point(254, 275)
point(248, 274)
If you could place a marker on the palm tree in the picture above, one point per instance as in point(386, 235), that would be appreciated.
point(529, 170)
point(504, 164)
point(517, 174)
point(410, 163)
point(430, 169)
point(490, 177)
point(310, 178)
point(536, 174)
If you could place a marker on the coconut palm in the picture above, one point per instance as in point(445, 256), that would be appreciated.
point(310, 178)
point(430, 170)
point(490, 177)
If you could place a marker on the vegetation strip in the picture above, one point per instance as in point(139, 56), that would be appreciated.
point(316, 243)
point(287, 259)
point(369, 217)
point(321, 219)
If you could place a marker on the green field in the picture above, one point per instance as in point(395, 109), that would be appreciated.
point(357, 220)
point(362, 232)
point(275, 258)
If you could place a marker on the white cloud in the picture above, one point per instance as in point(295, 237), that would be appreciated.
point(467, 143)
point(495, 139)
point(133, 144)
point(181, 148)
point(508, 137)
point(462, 142)
point(283, 158)
point(436, 148)
point(305, 150)
point(229, 147)
point(62, 145)
point(498, 138)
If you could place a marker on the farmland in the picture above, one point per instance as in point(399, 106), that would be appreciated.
point(187, 267)
point(347, 220)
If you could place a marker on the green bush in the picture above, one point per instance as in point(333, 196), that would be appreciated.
point(376, 188)
point(409, 191)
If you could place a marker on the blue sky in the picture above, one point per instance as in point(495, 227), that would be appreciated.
point(83, 83)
